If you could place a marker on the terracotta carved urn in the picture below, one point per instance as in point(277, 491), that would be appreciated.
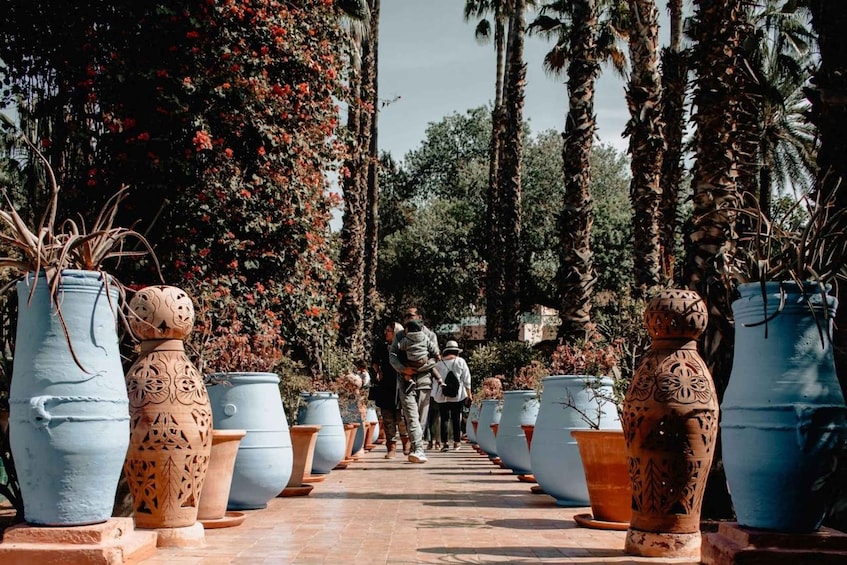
point(670, 423)
point(170, 415)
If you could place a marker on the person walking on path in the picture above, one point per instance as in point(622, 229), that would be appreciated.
point(450, 405)
point(415, 387)
point(386, 397)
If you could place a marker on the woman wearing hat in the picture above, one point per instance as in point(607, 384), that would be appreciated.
point(451, 406)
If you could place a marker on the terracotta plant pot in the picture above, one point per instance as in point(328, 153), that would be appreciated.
point(211, 509)
point(604, 460)
point(350, 432)
point(303, 440)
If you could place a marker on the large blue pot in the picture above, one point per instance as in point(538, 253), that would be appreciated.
point(520, 407)
point(330, 447)
point(489, 413)
point(69, 425)
point(473, 416)
point(783, 414)
point(251, 401)
point(373, 418)
point(554, 457)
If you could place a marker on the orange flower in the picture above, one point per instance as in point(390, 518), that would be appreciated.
point(201, 140)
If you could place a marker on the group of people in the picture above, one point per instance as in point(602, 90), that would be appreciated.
point(410, 374)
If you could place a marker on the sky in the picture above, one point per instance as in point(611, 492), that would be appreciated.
point(430, 66)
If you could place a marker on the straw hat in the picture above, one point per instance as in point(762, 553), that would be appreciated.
point(451, 347)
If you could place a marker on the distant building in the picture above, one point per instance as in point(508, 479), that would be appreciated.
point(537, 325)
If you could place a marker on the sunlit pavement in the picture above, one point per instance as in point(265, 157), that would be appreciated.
point(456, 508)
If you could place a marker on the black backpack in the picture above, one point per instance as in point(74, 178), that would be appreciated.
point(451, 384)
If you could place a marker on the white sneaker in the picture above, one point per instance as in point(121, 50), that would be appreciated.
point(417, 457)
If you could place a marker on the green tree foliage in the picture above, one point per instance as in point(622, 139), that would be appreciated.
point(441, 186)
point(221, 118)
point(501, 358)
point(432, 263)
point(611, 235)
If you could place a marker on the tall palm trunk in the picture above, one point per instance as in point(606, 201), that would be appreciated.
point(372, 177)
point(749, 127)
point(829, 112)
point(352, 253)
point(495, 277)
point(674, 86)
point(576, 276)
point(717, 56)
point(715, 190)
point(646, 145)
point(510, 176)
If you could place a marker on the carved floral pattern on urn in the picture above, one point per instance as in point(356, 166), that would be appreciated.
point(670, 418)
point(170, 415)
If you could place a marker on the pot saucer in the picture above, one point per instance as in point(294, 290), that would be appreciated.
point(588, 521)
point(229, 520)
point(302, 490)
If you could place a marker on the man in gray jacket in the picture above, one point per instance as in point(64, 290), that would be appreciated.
point(413, 385)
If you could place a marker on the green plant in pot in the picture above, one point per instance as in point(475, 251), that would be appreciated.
point(67, 393)
point(784, 422)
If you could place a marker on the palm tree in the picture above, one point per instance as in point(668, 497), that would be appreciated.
point(503, 284)
point(779, 58)
point(356, 17)
point(718, 58)
point(371, 177)
point(674, 89)
point(646, 143)
point(495, 274)
point(509, 177)
point(829, 113)
point(723, 105)
point(581, 45)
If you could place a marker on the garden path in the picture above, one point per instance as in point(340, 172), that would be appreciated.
point(457, 508)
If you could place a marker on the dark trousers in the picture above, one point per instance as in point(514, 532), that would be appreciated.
point(451, 412)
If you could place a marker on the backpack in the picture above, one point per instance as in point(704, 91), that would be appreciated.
point(451, 384)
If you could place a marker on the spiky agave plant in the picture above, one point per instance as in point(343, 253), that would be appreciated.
point(52, 246)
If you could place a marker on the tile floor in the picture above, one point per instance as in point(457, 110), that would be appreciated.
point(457, 508)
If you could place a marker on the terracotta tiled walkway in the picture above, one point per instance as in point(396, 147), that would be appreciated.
point(457, 508)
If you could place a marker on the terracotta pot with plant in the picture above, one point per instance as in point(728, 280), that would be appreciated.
point(67, 394)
